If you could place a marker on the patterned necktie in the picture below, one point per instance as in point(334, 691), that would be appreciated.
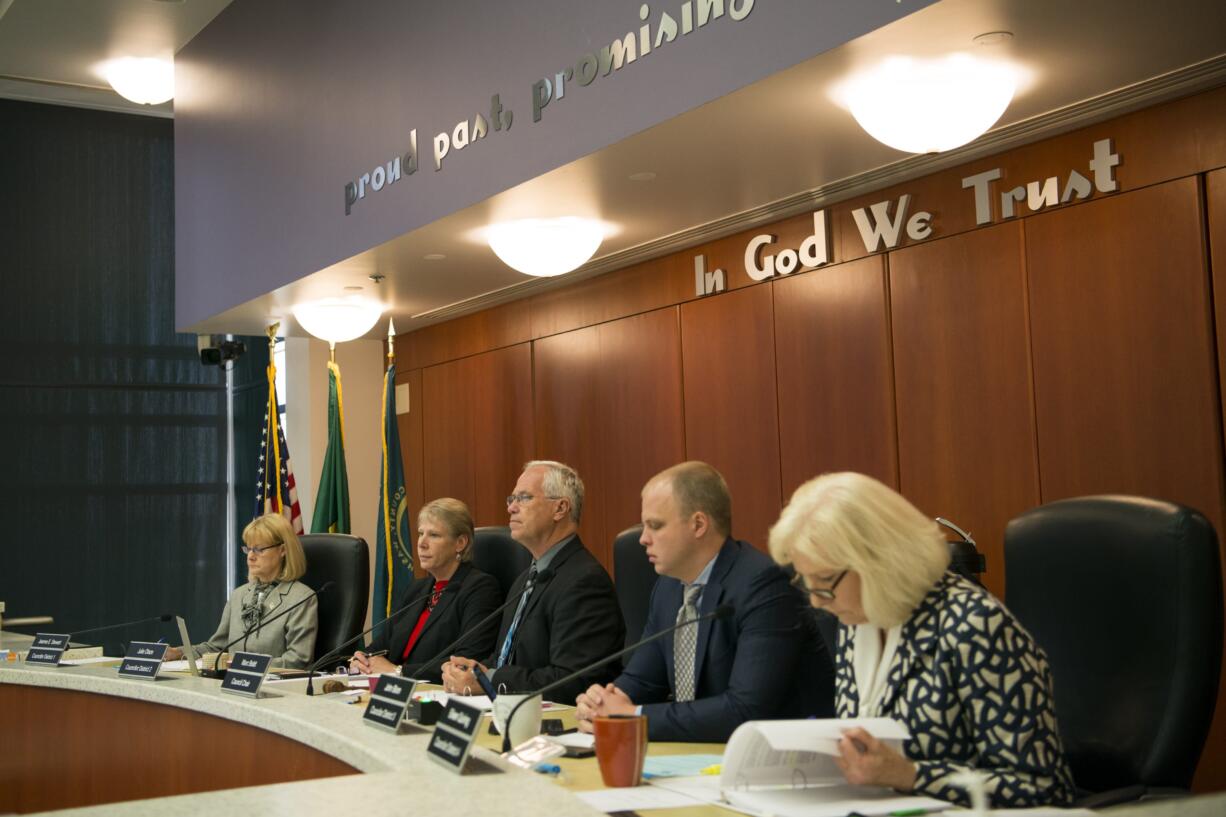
point(685, 643)
point(505, 652)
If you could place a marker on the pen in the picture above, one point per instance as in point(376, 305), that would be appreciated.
point(909, 812)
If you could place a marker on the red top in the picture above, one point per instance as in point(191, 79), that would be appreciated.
point(425, 614)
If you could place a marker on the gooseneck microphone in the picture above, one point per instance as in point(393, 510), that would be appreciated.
point(216, 672)
point(723, 611)
point(310, 690)
point(542, 577)
point(162, 617)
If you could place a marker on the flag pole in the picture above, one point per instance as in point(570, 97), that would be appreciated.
point(391, 341)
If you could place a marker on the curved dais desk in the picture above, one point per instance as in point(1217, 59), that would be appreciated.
point(82, 736)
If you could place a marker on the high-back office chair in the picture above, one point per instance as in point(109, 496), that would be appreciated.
point(345, 560)
point(496, 553)
point(1124, 594)
point(633, 579)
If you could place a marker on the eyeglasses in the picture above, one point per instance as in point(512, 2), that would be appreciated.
point(259, 551)
point(823, 593)
point(524, 499)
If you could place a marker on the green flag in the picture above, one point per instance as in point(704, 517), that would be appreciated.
point(332, 499)
point(393, 543)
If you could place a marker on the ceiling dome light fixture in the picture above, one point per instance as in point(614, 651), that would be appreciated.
point(930, 105)
point(144, 80)
point(545, 247)
point(337, 320)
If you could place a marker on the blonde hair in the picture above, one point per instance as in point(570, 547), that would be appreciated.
point(453, 515)
point(698, 487)
point(274, 529)
point(852, 521)
point(560, 481)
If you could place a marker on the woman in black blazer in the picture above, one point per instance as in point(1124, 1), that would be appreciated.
point(448, 601)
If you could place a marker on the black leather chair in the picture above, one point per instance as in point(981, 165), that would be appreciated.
point(1124, 594)
point(345, 560)
point(633, 579)
point(496, 553)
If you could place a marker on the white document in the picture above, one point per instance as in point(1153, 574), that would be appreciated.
point(180, 665)
point(796, 753)
point(98, 659)
point(635, 798)
point(702, 788)
point(830, 801)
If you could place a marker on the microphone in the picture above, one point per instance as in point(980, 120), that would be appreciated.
point(542, 577)
point(310, 690)
point(723, 611)
point(162, 617)
point(216, 672)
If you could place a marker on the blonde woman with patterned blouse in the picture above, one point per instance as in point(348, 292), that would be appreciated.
point(923, 646)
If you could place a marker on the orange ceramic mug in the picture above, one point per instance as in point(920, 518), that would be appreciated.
point(621, 748)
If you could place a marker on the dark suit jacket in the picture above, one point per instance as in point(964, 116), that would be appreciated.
point(470, 597)
point(569, 622)
point(765, 661)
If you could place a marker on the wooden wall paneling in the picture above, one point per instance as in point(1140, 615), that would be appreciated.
point(641, 418)
point(1125, 381)
point(64, 749)
point(448, 459)
point(567, 412)
point(835, 379)
point(493, 328)
point(1212, 769)
point(503, 431)
point(731, 415)
point(1126, 384)
point(629, 291)
point(966, 432)
point(412, 450)
point(1215, 206)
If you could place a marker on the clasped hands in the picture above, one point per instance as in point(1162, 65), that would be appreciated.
point(601, 701)
point(458, 675)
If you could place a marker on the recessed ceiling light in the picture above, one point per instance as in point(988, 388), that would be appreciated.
point(434, 256)
point(645, 176)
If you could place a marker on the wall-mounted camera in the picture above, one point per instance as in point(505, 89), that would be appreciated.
point(216, 349)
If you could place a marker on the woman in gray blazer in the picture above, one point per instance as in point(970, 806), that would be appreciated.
point(275, 562)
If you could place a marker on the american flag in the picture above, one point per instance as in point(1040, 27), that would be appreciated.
point(277, 495)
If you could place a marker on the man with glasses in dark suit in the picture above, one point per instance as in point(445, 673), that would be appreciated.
point(562, 622)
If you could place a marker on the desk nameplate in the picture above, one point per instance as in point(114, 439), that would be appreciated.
point(246, 674)
point(389, 702)
point(143, 660)
point(47, 649)
point(454, 735)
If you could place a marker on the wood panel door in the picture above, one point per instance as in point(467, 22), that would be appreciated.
point(834, 374)
point(966, 433)
point(608, 403)
point(731, 414)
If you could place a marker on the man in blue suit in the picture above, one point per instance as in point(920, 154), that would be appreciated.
point(764, 661)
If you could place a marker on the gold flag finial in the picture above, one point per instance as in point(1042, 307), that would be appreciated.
point(272, 330)
point(391, 341)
